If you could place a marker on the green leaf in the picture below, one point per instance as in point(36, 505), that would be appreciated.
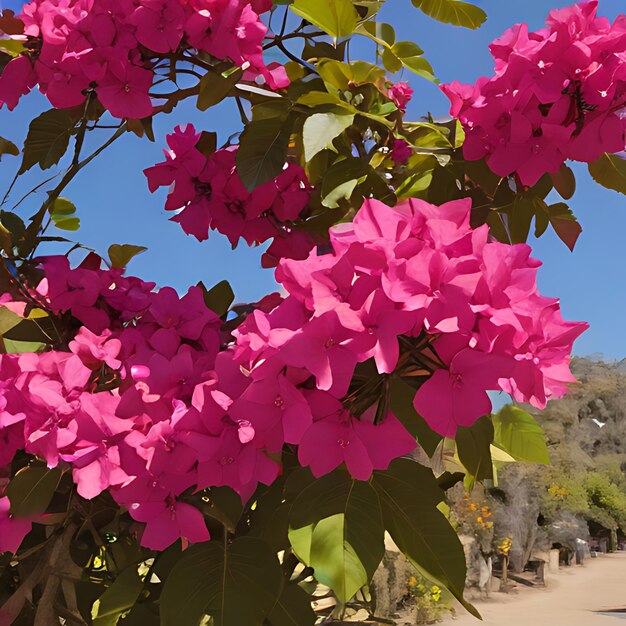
point(383, 34)
point(262, 151)
point(410, 55)
point(564, 182)
point(13, 47)
point(293, 608)
point(12, 223)
point(121, 254)
point(118, 599)
point(8, 147)
point(336, 493)
point(236, 583)
point(336, 564)
point(216, 85)
point(224, 505)
point(47, 139)
point(320, 129)
point(452, 12)
point(219, 297)
point(517, 432)
point(409, 496)
point(610, 171)
point(62, 213)
point(565, 224)
point(473, 447)
point(338, 18)
point(31, 490)
point(402, 396)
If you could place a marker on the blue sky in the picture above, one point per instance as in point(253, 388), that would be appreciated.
point(115, 206)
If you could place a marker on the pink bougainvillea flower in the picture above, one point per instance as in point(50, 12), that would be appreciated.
point(336, 437)
point(400, 94)
point(458, 396)
point(169, 520)
point(124, 90)
point(12, 529)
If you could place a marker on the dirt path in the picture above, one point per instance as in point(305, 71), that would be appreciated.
point(569, 598)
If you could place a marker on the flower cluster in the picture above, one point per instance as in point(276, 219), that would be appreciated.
point(558, 93)
point(153, 400)
point(467, 309)
point(115, 48)
point(207, 193)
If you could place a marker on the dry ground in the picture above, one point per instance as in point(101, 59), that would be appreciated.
point(569, 598)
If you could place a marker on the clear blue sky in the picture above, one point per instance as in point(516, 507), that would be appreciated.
point(115, 206)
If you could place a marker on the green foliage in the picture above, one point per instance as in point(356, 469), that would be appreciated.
point(121, 255)
point(338, 18)
point(31, 490)
point(62, 213)
point(292, 608)
point(453, 12)
point(8, 147)
point(409, 496)
point(320, 129)
point(118, 599)
point(517, 433)
point(219, 297)
point(215, 85)
point(262, 150)
point(47, 140)
point(235, 583)
point(473, 446)
point(610, 171)
point(361, 524)
point(402, 406)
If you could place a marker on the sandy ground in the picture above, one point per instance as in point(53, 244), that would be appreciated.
point(569, 598)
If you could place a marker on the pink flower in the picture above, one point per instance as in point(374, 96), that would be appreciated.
point(170, 520)
point(124, 90)
point(401, 151)
point(16, 80)
point(458, 396)
point(557, 93)
point(400, 94)
point(336, 437)
point(12, 529)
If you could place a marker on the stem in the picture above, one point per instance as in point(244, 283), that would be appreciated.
point(36, 220)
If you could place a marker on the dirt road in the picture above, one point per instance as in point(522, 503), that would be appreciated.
point(569, 598)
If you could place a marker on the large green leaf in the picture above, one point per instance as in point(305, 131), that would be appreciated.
point(453, 12)
point(517, 432)
point(118, 599)
point(323, 547)
point(47, 139)
point(338, 492)
point(31, 490)
point(236, 584)
point(409, 496)
point(474, 449)
point(610, 171)
point(262, 151)
point(293, 608)
point(338, 18)
point(320, 129)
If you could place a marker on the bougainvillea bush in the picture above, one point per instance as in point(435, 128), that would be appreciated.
point(178, 459)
